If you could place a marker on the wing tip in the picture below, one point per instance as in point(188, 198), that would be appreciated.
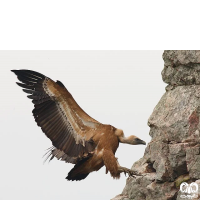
point(14, 70)
point(27, 71)
point(19, 84)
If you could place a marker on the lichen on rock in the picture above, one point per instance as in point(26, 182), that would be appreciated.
point(173, 155)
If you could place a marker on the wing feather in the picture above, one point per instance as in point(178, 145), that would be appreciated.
point(60, 155)
point(59, 116)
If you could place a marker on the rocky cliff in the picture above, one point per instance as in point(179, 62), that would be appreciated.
point(173, 155)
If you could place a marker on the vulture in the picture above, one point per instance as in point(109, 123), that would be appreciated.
point(76, 137)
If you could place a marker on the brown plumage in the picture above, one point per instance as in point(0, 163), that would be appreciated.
point(76, 137)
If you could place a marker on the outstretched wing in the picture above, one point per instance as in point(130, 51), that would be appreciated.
point(62, 120)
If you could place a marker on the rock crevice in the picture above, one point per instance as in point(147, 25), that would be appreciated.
point(173, 155)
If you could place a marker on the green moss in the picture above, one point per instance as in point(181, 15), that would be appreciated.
point(182, 178)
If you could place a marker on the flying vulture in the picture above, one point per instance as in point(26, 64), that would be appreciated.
point(76, 137)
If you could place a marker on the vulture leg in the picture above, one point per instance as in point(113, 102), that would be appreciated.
point(126, 170)
point(113, 166)
point(110, 163)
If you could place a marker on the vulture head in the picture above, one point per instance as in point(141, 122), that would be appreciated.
point(134, 140)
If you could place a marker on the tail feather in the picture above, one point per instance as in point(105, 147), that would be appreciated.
point(77, 173)
point(76, 177)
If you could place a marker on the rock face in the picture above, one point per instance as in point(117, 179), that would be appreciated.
point(173, 155)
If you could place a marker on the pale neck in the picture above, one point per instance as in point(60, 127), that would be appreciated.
point(124, 139)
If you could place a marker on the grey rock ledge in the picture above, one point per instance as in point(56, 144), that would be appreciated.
point(173, 155)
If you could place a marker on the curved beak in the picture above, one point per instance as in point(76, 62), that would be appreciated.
point(141, 142)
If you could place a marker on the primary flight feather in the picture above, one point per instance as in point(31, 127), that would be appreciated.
point(76, 137)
